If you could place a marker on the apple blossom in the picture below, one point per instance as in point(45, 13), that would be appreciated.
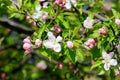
point(38, 42)
point(102, 31)
point(108, 61)
point(90, 43)
point(57, 29)
point(69, 3)
point(60, 65)
point(52, 42)
point(39, 14)
point(88, 23)
point(117, 72)
point(27, 45)
point(27, 40)
point(41, 65)
point(117, 21)
point(70, 44)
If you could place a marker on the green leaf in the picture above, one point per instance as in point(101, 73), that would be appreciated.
point(96, 64)
point(115, 13)
point(79, 55)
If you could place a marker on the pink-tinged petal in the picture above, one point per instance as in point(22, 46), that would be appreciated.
point(38, 42)
point(104, 54)
point(38, 8)
point(26, 46)
point(106, 67)
point(41, 65)
point(113, 62)
point(70, 44)
point(111, 54)
point(57, 47)
point(59, 39)
point(51, 36)
point(48, 44)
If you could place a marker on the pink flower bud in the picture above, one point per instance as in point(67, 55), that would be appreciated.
point(102, 31)
point(27, 51)
point(38, 43)
point(60, 65)
point(70, 65)
point(70, 44)
point(91, 43)
point(107, 7)
point(117, 21)
point(57, 29)
point(58, 2)
point(3, 76)
point(27, 18)
point(41, 65)
point(27, 40)
point(117, 73)
point(45, 16)
point(26, 46)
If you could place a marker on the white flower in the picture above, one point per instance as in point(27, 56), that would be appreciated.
point(68, 3)
point(88, 23)
point(108, 61)
point(39, 14)
point(52, 42)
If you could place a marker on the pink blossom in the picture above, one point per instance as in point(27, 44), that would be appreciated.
point(27, 40)
point(70, 44)
point(26, 46)
point(38, 43)
point(117, 21)
point(117, 73)
point(60, 65)
point(27, 51)
point(102, 31)
point(58, 2)
point(91, 43)
point(57, 29)
point(45, 16)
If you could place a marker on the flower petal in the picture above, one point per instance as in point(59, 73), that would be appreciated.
point(57, 47)
point(58, 39)
point(104, 54)
point(113, 62)
point(106, 67)
point(48, 44)
point(50, 35)
point(38, 8)
point(111, 54)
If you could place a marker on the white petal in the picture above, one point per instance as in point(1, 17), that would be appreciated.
point(106, 67)
point(111, 54)
point(68, 5)
point(59, 39)
point(104, 54)
point(57, 47)
point(51, 36)
point(113, 62)
point(37, 15)
point(48, 44)
point(38, 8)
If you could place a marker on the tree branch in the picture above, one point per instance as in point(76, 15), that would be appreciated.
point(15, 26)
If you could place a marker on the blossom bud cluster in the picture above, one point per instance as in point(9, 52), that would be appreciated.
point(67, 4)
point(27, 46)
point(102, 31)
point(90, 43)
